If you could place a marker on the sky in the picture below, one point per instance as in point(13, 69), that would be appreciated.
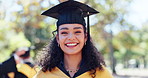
point(136, 16)
point(138, 12)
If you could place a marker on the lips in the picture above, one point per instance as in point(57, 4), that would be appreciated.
point(71, 44)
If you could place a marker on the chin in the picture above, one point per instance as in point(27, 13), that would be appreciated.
point(72, 53)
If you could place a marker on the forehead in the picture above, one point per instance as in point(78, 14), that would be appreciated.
point(71, 26)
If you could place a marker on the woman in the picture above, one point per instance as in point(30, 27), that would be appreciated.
point(71, 54)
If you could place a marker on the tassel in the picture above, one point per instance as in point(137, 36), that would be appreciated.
point(88, 27)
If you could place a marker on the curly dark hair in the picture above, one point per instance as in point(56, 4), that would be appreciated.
point(52, 54)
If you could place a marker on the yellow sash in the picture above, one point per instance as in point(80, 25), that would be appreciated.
point(57, 73)
point(11, 75)
point(26, 70)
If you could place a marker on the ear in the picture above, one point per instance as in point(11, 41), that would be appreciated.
point(57, 38)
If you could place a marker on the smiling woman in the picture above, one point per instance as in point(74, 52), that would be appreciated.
point(71, 54)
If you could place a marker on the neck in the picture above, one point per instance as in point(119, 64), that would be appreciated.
point(72, 61)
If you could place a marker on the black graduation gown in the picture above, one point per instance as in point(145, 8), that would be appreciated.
point(10, 66)
point(7, 67)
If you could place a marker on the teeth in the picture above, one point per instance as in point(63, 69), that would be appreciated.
point(73, 44)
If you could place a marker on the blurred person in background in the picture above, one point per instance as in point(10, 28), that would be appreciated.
point(19, 65)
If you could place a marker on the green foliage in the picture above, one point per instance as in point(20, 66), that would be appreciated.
point(26, 27)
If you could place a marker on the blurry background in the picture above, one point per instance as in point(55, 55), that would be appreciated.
point(119, 31)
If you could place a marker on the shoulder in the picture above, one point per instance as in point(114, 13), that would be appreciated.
point(103, 73)
point(42, 74)
point(55, 73)
point(99, 74)
point(39, 74)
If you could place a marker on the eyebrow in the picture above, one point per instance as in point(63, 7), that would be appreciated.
point(77, 28)
point(65, 28)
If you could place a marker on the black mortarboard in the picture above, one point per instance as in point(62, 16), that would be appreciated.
point(70, 12)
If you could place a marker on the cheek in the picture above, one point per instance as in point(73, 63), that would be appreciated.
point(81, 38)
point(61, 38)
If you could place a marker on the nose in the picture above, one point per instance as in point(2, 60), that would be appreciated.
point(71, 36)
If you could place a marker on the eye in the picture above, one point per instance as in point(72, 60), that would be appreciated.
point(78, 32)
point(64, 33)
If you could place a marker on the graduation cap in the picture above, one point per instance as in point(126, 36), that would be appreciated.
point(70, 12)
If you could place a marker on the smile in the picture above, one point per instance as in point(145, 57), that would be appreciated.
point(71, 44)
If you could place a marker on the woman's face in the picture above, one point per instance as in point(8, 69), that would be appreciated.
point(71, 38)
